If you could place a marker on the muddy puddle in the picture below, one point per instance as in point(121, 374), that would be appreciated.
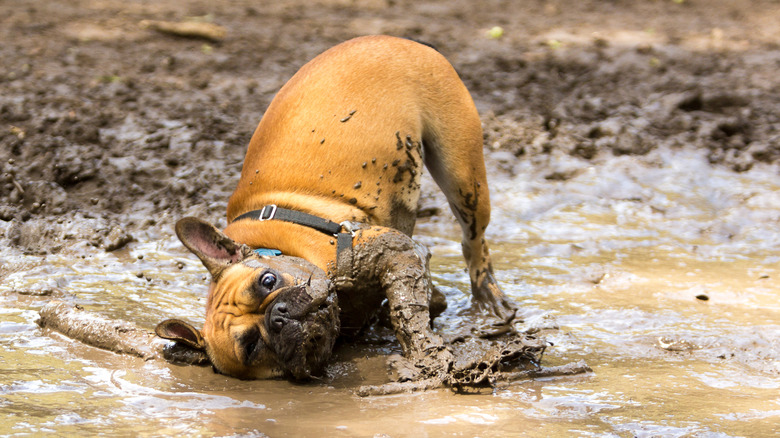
point(660, 272)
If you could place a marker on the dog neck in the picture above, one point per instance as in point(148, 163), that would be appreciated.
point(294, 233)
point(291, 239)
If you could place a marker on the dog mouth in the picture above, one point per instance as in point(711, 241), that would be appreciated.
point(300, 326)
point(251, 346)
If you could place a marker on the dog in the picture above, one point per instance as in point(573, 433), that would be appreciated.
point(320, 224)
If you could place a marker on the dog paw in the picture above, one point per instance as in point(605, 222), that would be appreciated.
point(402, 369)
point(489, 298)
point(435, 363)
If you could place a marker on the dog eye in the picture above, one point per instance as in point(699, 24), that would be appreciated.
point(268, 280)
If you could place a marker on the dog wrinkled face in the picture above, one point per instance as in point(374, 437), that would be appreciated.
point(268, 317)
point(265, 316)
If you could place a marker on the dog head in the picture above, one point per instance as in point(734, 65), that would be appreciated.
point(265, 316)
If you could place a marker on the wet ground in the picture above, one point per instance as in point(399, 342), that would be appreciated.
point(633, 155)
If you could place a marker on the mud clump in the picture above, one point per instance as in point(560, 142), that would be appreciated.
point(483, 362)
point(39, 236)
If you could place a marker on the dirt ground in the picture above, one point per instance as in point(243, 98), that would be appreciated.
point(111, 131)
point(126, 129)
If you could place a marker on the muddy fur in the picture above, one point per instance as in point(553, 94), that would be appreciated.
point(393, 263)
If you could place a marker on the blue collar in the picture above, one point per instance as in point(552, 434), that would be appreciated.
point(268, 252)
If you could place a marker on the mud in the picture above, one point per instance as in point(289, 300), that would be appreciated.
point(633, 157)
point(392, 265)
point(103, 117)
point(388, 265)
point(472, 363)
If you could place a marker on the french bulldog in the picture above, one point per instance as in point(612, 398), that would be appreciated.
point(320, 224)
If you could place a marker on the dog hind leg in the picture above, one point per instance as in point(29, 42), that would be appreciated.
point(456, 162)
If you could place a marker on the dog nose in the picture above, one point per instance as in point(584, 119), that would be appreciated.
point(279, 316)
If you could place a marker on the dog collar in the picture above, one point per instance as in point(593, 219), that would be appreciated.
point(267, 252)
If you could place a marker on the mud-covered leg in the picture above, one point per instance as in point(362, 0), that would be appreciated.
point(437, 302)
point(406, 283)
point(399, 265)
point(461, 176)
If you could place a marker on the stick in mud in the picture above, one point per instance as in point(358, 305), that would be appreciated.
point(113, 335)
point(187, 29)
point(570, 369)
point(399, 387)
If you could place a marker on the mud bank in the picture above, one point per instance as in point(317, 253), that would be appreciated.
point(105, 117)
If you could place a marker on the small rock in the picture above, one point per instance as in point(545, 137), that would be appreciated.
point(117, 238)
point(38, 291)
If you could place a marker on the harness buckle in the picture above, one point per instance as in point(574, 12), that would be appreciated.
point(349, 227)
point(267, 216)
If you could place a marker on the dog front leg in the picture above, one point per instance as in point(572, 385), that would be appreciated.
point(386, 259)
point(405, 280)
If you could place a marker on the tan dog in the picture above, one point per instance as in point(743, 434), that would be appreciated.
point(344, 140)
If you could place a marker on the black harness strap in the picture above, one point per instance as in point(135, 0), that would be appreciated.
point(297, 217)
point(343, 238)
point(344, 278)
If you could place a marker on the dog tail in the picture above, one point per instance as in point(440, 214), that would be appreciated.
point(425, 43)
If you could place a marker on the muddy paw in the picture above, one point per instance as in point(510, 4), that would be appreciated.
point(488, 297)
point(402, 369)
point(425, 366)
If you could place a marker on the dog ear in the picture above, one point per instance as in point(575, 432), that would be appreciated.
point(180, 331)
point(216, 250)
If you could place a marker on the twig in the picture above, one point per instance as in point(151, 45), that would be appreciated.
point(187, 29)
point(570, 369)
point(17, 185)
point(113, 335)
point(399, 387)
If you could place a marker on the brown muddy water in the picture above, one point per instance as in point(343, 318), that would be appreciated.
point(660, 271)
